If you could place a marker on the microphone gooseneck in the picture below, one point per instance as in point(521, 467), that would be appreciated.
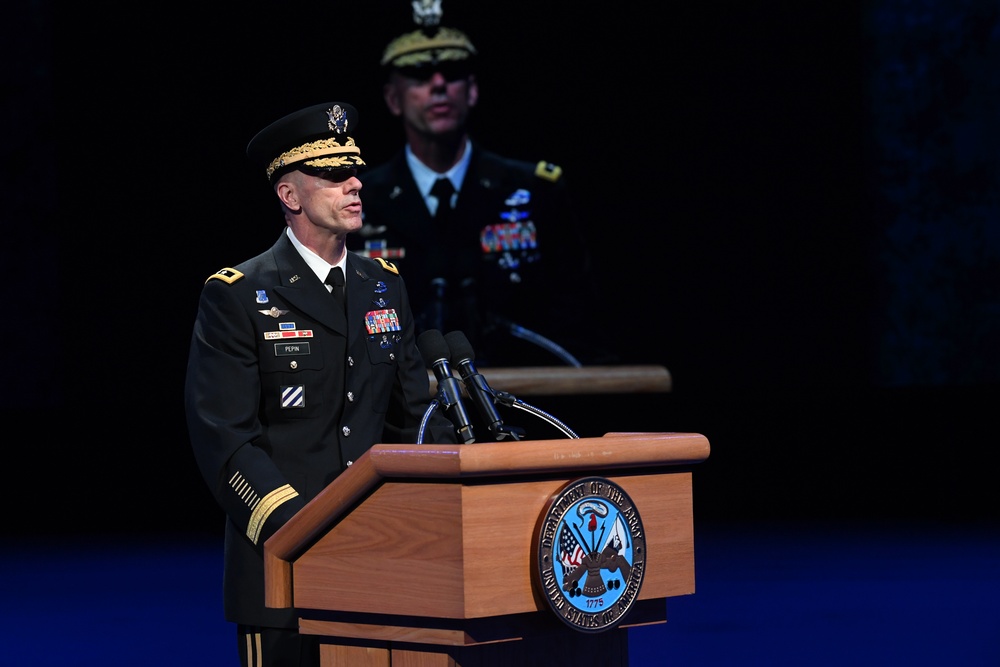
point(538, 339)
point(476, 386)
point(434, 349)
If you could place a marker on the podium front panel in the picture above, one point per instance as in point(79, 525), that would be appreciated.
point(462, 549)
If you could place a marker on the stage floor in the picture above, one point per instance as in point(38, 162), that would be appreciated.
point(768, 593)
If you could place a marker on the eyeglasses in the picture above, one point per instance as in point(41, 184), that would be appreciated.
point(451, 71)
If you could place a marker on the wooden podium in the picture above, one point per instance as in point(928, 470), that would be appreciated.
point(423, 556)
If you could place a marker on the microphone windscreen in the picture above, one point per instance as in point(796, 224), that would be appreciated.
point(461, 348)
point(433, 347)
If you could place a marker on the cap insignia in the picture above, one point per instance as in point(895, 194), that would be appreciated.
point(337, 119)
point(427, 12)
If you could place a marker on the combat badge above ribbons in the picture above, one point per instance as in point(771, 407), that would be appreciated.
point(590, 554)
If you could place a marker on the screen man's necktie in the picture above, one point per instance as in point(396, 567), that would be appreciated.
point(336, 280)
point(443, 190)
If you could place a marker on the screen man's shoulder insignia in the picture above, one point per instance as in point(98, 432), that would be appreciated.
point(388, 266)
point(548, 171)
point(226, 275)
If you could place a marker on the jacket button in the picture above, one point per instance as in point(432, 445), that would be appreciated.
point(346, 430)
point(293, 365)
point(350, 361)
point(350, 396)
point(350, 463)
point(392, 356)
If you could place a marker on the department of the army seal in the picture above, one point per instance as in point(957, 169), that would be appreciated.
point(590, 554)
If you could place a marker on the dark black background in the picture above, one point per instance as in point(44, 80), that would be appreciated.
point(793, 209)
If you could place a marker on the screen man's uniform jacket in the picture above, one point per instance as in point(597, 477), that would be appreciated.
point(283, 392)
point(541, 279)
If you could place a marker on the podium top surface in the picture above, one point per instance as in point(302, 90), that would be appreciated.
point(614, 450)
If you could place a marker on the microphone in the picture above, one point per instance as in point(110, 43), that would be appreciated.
point(434, 350)
point(475, 384)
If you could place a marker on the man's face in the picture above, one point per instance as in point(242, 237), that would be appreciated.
point(432, 100)
point(328, 199)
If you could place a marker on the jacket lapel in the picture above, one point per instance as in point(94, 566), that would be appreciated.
point(299, 286)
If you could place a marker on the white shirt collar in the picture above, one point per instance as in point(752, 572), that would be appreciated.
point(319, 265)
point(425, 176)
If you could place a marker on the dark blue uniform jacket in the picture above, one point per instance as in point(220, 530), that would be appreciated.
point(283, 392)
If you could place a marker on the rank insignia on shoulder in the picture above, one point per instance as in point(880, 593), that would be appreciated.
point(388, 266)
point(548, 171)
point(226, 275)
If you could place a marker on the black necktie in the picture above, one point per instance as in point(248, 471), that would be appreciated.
point(443, 190)
point(336, 280)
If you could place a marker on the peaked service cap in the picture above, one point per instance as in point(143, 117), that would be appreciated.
point(316, 137)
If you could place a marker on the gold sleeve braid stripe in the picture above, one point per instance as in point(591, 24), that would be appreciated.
point(266, 507)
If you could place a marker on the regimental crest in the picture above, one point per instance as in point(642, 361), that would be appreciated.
point(590, 554)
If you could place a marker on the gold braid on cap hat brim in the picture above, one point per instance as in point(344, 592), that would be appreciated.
point(415, 48)
point(322, 153)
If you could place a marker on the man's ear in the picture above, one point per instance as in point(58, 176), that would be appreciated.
point(287, 194)
point(391, 96)
point(472, 92)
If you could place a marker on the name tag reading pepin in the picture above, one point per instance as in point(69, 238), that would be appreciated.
point(291, 349)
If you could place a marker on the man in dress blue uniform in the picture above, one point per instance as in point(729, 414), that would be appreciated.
point(301, 358)
point(500, 253)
